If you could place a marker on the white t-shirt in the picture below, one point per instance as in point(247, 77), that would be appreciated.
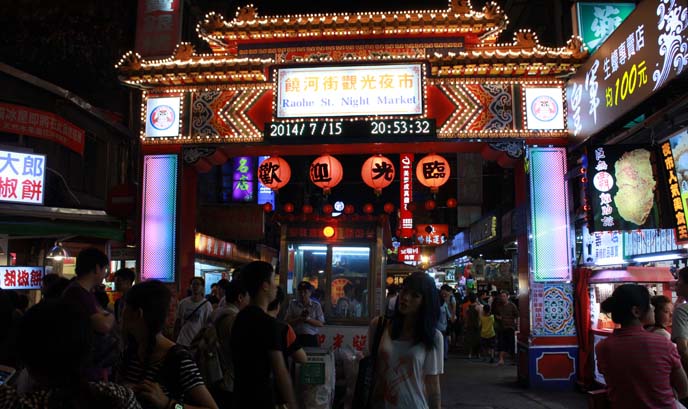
point(192, 322)
point(403, 368)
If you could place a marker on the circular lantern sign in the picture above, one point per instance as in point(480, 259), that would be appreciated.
point(274, 172)
point(433, 171)
point(377, 172)
point(388, 208)
point(451, 203)
point(326, 172)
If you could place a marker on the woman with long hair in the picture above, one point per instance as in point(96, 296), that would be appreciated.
point(162, 374)
point(54, 342)
point(663, 312)
point(641, 369)
point(410, 354)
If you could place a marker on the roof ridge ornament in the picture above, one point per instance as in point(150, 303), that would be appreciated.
point(246, 13)
point(460, 6)
point(184, 52)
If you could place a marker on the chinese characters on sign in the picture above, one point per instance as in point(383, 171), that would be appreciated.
point(432, 234)
point(242, 180)
point(22, 177)
point(158, 27)
point(21, 120)
point(597, 21)
point(265, 194)
point(602, 247)
point(677, 195)
point(409, 254)
point(634, 62)
point(210, 246)
point(21, 278)
point(350, 91)
point(537, 291)
point(406, 193)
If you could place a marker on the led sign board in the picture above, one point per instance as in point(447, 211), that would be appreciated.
point(162, 117)
point(638, 59)
point(21, 278)
point(283, 131)
point(345, 91)
point(22, 177)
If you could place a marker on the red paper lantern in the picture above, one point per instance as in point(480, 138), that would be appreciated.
point(267, 207)
point(328, 208)
point(451, 203)
point(430, 205)
point(326, 172)
point(388, 208)
point(288, 207)
point(349, 209)
point(377, 172)
point(274, 172)
point(307, 209)
point(368, 208)
point(411, 206)
point(433, 171)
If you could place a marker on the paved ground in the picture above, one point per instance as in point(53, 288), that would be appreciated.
point(476, 385)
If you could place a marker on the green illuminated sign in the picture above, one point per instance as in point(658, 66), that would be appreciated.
point(596, 21)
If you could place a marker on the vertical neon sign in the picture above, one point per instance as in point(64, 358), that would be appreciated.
point(265, 194)
point(549, 209)
point(406, 194)
point(242, 185)
point(159, 216)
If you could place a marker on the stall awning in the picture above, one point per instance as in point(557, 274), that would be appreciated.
point(634, 275)
point(21, 221)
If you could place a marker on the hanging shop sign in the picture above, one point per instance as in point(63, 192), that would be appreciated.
point(266, 194)
point(544, 108)
point(595, 22)
point(675, 165)
point(638, 59)
point(602, 247)
point(242, 178)
point(409, 254)
point(158, 27)
point(21, 278)
point(649, 241)
point(623, 188)
point(345, 91)
point(162, 117)
point(22, 120)
point(22, 177)
point(210, 246)
point(432, 234)
point(406, 194)
point(483, 231)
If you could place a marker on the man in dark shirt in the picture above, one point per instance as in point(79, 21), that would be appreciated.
point(256, 345)
point(91, 269)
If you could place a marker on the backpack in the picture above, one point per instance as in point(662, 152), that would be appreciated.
point(206, 348)
point(473, 321)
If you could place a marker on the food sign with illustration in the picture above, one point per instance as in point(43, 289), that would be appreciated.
point(623, 186)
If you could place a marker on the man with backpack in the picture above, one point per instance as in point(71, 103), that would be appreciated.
point(212, 348)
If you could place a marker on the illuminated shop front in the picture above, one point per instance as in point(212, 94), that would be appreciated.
point(422, 84)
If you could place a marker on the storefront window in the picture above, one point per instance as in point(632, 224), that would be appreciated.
point(347, 269)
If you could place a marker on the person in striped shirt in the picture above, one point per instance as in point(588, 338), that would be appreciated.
point(641, 369)
point(162, 374)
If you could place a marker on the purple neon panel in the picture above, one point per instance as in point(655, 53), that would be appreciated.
point(159, 216)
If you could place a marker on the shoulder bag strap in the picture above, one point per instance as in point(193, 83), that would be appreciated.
point(194, 311)
point(378, 335)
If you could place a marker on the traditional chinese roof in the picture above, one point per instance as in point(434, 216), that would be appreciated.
point(245, 48)
point(458, 19)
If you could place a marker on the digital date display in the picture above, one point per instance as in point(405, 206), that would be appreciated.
point(352, 129)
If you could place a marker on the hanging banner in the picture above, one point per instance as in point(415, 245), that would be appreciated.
point(432, 234)
point(638, 59)
point(22, 120)
point(623, 188)
point(406, 194)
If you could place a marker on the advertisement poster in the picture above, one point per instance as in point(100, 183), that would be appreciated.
point(676, 166)
point(644, 54)
point(624, 188)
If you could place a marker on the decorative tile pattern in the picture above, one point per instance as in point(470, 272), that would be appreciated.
point(478, 107)
point(226, 113)
point(557, 311)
